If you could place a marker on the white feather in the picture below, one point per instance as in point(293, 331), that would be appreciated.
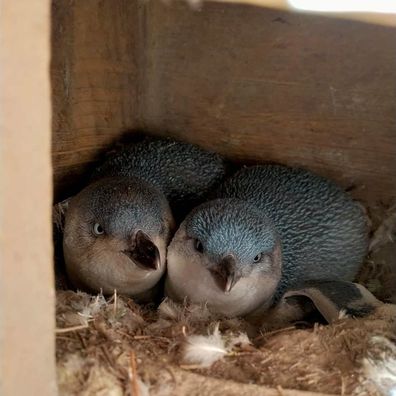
point(94, 306)
point(381, 369)
point(204, 350)
point(240, 340)
point(143, 388)
point(169, 309)
point(342, 314)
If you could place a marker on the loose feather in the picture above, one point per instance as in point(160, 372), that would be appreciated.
point(204, 350)
point(380, 368)
point(241, 340)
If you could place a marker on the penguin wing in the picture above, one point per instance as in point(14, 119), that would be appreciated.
point(333, 299)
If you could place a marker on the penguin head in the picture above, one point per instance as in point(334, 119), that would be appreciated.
point(225, 253)
point(115, 237)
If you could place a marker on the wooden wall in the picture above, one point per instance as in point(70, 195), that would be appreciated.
point(258, 84)
point(27, 303)
point(94, 79)
point(252, 83)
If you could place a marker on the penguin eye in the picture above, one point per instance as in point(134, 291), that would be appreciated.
point(198, 246)
point(98, 229)
point(258, 258)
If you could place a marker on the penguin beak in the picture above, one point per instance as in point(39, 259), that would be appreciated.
point(225, 274)
point(144, 253)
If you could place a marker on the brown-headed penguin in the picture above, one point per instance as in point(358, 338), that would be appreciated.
point(117, 228)
point(271, 228)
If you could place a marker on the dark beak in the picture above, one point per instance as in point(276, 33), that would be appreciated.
point(225, 273)
point(143, 252)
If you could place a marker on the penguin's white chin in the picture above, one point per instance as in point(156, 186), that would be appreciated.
point(130, 280)
point(188, 277)
point(106, 270)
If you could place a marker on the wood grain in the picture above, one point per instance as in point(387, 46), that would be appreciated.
point(380, 18)
point(192, 384)
point(255, 84)
point(93, 75)
point(27, 301)
point(267, 85)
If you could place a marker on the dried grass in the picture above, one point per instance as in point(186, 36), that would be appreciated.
point(131, 350)
point(378, 273)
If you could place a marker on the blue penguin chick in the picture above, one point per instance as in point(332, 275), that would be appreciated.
point(271, 228)
point(117, 229)
point(115, 237)
point(184, 172)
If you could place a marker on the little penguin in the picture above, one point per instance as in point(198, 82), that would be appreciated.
point(117, 229)
point(270, 228)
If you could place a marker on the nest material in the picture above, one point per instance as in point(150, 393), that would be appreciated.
point(115, 347)
point(378, 273)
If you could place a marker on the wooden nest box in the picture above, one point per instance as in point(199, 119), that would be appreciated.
point(253, 81)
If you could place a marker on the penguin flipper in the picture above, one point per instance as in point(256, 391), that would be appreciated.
point(334, 298)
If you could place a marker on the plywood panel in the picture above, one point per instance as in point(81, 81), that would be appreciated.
point(27, 317)
point(266, 85)
point(94, 84)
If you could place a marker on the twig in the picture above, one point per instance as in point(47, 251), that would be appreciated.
point(190, 366)
point(107, 356)
point(142, 337)
point(184, 331)
point(280, 390)
point(342, 386)
point(125, 334)
point(172, 374)
point(149, 337)
point(72, 328)
point(274, 332)
point(83, 343)
point(115, 303)
point(135, 391)
point(244, 353)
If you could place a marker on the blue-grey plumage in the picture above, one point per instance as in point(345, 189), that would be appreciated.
point(184, 172)
point(115, 236)
point(281, 225)
point(118, 227)
point(322, 230)
point(232, 225)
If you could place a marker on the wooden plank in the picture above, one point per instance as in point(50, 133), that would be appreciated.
point(27, 363)
point(192, 384)
point(266, 85)
point(255, 84)
point(93, 75)
point(381, 18)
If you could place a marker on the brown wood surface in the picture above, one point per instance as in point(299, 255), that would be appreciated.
point(381, 18)
point(93, 75)
point(259, 84)
point(27, 315)
point(255, 84)
point(192, 384)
